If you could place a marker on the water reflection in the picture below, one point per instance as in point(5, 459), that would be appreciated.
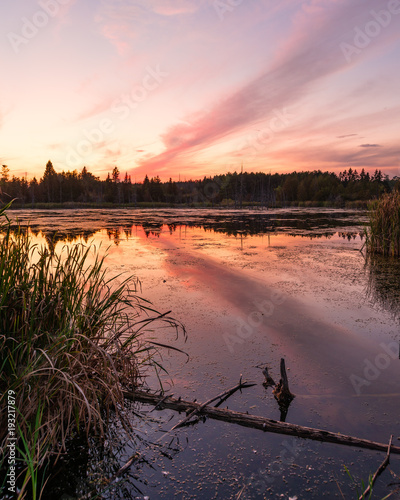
point(351, 235)
point(97, 469)
point(155, 230)
point(77, 225)
point(384, 283)
point(53, 237)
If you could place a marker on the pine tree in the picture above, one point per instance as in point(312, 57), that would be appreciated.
point(5, 175)
point(49, 182)
point(115, 175)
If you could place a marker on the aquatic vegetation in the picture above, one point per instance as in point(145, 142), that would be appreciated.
point(383, 228)
point(71, 339)
point(366, 491)
point(363, 486)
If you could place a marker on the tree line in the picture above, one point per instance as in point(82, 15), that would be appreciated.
point(231, 189)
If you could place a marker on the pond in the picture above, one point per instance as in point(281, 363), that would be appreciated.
point(252, 287)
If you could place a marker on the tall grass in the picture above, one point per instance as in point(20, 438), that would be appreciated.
point(383, 228)
point(71, 339)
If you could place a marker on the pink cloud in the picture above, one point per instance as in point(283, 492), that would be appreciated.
point(96, 109)
point(311, 54)
point(174, 7)
point(56, 147)
point(63, 16)
point(118, 24)
point(121, 23)
point(119, 35)
point(112, 153)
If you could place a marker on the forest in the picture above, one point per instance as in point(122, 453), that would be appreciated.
point(235, 190)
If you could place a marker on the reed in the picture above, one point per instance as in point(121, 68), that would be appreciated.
point(71, 339)
point(383, 228)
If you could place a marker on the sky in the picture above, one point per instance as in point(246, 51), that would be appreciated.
point(187, 88)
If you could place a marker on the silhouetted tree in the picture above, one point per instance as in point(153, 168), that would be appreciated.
point(5, 175)
point(259, 188)
point(145, 190)
point(115, 175)
point(49, 182)
point(33, 189)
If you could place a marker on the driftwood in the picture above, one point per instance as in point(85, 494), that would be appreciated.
point(269, 381)
point(222, 397)
point(282, 392)
point(381, 468)
point(255, 422)
point(158, 405)
point(123, 469)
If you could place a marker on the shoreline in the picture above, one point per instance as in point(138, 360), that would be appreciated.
point(353, 205)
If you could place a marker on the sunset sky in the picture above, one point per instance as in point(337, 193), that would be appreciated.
point(197, 87)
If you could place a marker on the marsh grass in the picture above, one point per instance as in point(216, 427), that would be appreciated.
point(71, 339)
point(383, 228)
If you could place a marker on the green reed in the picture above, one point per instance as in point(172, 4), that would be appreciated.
point(71, 339)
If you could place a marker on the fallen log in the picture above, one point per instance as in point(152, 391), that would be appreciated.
point(256, 422)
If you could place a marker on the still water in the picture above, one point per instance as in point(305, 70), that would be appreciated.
point(251, 287)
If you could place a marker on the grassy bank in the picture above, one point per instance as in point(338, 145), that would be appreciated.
point(71, 339)
point(383, 230)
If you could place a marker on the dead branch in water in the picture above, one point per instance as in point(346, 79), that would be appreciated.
point(256, 422)
point(123, 469)
point(381, 468)
point(282, 392)
point(222, 397)
point(269, 381)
